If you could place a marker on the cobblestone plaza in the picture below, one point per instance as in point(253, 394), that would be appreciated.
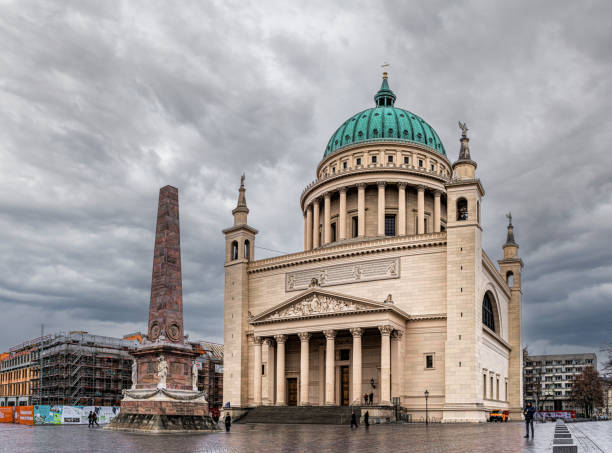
point(486, 438)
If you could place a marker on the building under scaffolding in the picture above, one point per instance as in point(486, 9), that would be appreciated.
point(210, 376)
point(79, 369)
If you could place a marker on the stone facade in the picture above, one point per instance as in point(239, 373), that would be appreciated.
point(388, 298)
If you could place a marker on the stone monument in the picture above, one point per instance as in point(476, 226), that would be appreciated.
point(163, 397)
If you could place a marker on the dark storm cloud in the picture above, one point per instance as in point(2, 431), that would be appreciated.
point(105, 102)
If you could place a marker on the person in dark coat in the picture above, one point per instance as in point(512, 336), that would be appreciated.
point(366, 419)
point(529, 413)
point(371, 398)
point(90, 419)
point(354, 420)
point(228, 422)
point(94, 418)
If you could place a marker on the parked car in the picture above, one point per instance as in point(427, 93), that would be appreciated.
point(499, 416)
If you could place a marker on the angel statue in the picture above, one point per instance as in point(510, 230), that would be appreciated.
point(194, 376)
point(463, 128)
point(134, 374)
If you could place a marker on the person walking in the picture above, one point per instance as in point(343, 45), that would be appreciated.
point(90, 419)
point(366, 419)
point(371, 398)
point(529, 413)
point(94, 418)
point(228, 422)
point(353, 420)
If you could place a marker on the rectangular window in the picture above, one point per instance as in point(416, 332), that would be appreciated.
point(425, 229)
point(354, 226)
point(344, 354)
point(344, 165)
point(492, 396)
point(390, 225)
point(429, 363)
point(263, 369)
point(484, 386)
point(390, 159)
point(358, 161)
point(406, 160)
point(420, 162)
point(333, 232)
point(333, 169)
point(497, 388)
point(373, 159)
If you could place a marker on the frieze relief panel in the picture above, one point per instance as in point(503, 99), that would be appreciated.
point(342, 274)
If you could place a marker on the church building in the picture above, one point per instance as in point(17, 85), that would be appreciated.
point(392, 295)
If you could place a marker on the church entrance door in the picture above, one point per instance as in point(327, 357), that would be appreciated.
point(344, 382)
point(292, 391)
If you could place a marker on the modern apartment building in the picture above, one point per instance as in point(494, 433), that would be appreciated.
point(548, 379)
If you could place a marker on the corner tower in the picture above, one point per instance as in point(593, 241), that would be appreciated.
point(511, 267)
point(239, 247)
point(463, 307)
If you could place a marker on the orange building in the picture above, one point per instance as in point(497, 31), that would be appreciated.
point(16, 371)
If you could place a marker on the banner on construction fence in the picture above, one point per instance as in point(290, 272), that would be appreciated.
point(24, 415)
point(6, 414)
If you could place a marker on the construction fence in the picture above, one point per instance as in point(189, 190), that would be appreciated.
point(56, 415)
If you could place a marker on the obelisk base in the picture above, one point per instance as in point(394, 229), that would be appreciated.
point(163, 411)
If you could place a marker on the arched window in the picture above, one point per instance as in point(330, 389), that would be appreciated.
point(510, 278)
point(488, 317)
point(234, 250)
point(247, 246)
point(462, 209)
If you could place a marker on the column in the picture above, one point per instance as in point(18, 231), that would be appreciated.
point(309, 228)
point(437, 226)
point(330, 371)
point(327, 218)
point(361, 209)
point(381, 208)
point(304, 371)
point(342, 216)
point(257, 371)
point(357, 373)
point(421, 209)
point(396, 363)
point(271, 371)
point(305, 232)
point(401, 211)
point(280, 369)
point(385, 365)
point(315, 224)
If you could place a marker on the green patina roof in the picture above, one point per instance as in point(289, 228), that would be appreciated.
point(385, 122)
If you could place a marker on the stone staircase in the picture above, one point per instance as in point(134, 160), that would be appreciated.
point(324, 415)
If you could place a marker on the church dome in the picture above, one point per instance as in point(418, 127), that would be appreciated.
point(385, 122)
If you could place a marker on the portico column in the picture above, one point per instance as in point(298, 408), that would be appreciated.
point(381, 208)
point(280, 369)
point(270, 372)
point(309, 228)
point(357, 332)
point(361, 209)
point(327, 217)
point(257, 371)
point(304, 371)
point(342, 219)
point(385, 365)
point(421, 209)
point(315, 224)
point(437, 226)
point(330, 363)
point(396, 363)
point(401, 205)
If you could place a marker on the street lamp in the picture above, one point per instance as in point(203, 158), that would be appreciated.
point(426, 408)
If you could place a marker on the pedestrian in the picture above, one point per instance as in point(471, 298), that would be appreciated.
point(365, 399)
point(353, 420)
point(529, 413)
point(94, 418)
point(366, 419)
point(371, 398)
point(228, 422)
point(90, 418)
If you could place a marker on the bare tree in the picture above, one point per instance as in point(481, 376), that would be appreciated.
point(587, 391)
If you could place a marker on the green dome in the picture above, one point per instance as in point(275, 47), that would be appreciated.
point(384, 123)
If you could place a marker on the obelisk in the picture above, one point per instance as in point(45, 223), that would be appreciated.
point(165, 397)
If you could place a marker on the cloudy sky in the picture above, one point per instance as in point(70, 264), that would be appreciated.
point(103, 103)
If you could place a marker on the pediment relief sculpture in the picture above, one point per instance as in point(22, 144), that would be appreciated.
point(317, 304)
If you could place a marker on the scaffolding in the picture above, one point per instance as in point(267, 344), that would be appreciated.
point(79, 369)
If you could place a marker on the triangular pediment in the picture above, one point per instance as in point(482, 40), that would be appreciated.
point(315, 303)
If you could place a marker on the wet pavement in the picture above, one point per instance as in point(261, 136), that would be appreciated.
point(483, 438)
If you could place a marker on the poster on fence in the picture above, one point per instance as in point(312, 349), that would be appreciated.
point(48, 415)
point(26, 415)
point(6, 414)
